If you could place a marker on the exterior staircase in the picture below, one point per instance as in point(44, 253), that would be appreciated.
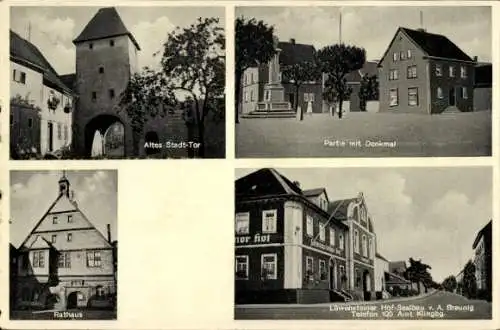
point(340, 295)
point(272, 110)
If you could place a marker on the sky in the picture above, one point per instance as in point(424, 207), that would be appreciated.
point(374, 27)
point(431, 214)
point(54, 28)
point(33, 192)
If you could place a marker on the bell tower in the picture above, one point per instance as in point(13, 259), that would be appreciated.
point(64, 185)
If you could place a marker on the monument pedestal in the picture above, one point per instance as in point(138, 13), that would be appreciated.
point(274, 104)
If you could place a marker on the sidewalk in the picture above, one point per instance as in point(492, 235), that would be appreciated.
point(385, 301)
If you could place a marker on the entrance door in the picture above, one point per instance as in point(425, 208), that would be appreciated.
point(366, 285)
point(291, 99)
point(332, 277)
point(72, 301)
point(51, 136)
point(452, 97)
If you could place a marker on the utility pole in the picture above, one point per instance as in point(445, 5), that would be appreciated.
point(29, 31)
point(340, 26)
point(422, 20)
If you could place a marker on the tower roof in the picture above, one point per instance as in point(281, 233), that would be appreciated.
point(106, 23)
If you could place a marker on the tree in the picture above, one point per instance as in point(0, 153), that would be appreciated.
point(297, 74)
point(418, 273)
point(144, 98)
point(469, 281)
point(450, 283)
point(194, 62)
point(192, 66)
point(336, 62)
point(368, 90)
point(254, 44)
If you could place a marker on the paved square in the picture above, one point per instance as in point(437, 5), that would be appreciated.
point(366, 135)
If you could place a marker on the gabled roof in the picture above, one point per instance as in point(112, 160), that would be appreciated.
point(484, 232)
point(370, 68)
point(396, 265)
point(40, 243)
point(434, 45)
point(266, 181)
point(391, 278)
point(21, 50)
point(54, 208)
point(293, 53)
point(340, 208)
point(106, 23)
point(313, 192)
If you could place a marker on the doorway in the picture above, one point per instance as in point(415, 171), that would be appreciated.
point(366, 285)
point(452, 96)
point(72, 301)
point(291, 99)
point(331, 280)
point(51, 136)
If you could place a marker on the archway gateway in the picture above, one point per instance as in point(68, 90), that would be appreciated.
point(72, 301)
point(105, 137)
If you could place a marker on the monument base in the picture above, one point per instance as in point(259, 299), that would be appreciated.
point(272, 110)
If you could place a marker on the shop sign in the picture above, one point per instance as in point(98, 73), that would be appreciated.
point(331, 249)
point(255, 239)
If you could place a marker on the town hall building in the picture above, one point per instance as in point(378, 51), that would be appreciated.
point(65, 262)
point(296, 246)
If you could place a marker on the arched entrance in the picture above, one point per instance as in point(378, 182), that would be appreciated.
point(72, 301)
point(105, 137)
point(367, 285)
point(151, 138)
point(332, 280)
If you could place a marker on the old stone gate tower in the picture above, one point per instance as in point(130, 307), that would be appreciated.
point(106, 58)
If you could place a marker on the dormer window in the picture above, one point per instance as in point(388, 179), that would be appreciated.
point(55, 221)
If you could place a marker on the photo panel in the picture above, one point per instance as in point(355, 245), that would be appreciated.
point(117, 82)
point(363, 81)
point(63, 245)
point(398, 243)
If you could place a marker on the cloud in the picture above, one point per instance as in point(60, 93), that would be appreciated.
point(95, 192)
point(431, 214)
point(373, 27)
point(52, 36)
point(151, 35)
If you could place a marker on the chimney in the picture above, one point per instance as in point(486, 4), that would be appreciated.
point(475, 58)
point(292, 41)
point(421, 30)
point(109, 232)
point(297, 183)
